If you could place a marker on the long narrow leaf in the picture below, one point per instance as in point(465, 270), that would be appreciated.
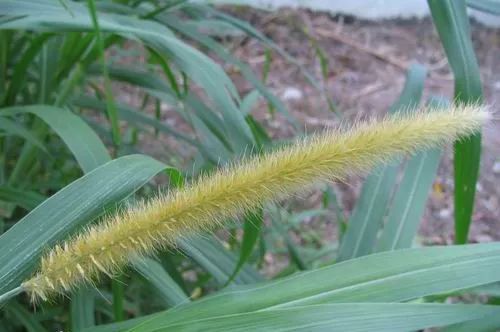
point(167, 288)
point(82, 309)
point(110, 101)
point(409, 202)
point(78, 136)
point(452, 23)
point(488, 6)
point(12, 128)
point(388, 317)
point(251, 231)
point(24, 317)
point(218, 261)
point(487, 323)
point(193, 33)
point(396, 276)
point(26, 199)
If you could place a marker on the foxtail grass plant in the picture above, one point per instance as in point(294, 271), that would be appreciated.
point(204, 204)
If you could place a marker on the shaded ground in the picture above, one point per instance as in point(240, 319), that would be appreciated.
point(367, 62)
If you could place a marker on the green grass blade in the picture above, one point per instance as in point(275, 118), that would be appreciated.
point(82, 309)
point(396, 276)
point(169, 74)
point(67, 211)
point(82, 141)
point(5, 42)
point(24, 317)
point(487, 6)
point(251, 31)
point(211, 129)
point(168, 6)
point(46, 67)
point(213, 140)
point(388, 317)
point(217, 260)
point(260, 134)
point(371, 207)
point(251, 231)
point(13, 128)
point(249, 101)
point(137, 76)
point(110, 102)
point(120, 326)
point(278, 226)
point(192, 32)
point(368, 213)
point(488, 323)
point(452, 23)
point(409, 201)
point(166, 288)
point(22, 66)
point(392, 277)
point(412, 90)
point(28, 200)
point(118, 291)
point(134, 117)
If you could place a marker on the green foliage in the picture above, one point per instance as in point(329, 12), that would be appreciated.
point(452, 23)
point(69, 154)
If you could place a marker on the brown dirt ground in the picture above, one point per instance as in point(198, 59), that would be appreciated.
point(367, 62)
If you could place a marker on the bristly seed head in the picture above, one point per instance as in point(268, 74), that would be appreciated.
point(206, 203)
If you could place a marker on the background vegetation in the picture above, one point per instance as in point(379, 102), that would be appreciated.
point(71, 152)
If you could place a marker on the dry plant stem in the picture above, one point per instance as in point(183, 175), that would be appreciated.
point(206, 203)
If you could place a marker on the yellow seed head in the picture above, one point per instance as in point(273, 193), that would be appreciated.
point(207, 202)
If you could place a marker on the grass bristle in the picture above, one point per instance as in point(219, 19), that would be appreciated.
point(155, 224)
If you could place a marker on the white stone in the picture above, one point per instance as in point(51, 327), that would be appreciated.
point(292, 93)
point(496, 167)
point(445, 213)
point(483, 238)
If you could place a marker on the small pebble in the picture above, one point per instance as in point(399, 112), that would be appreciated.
point(491, 204)
point(292, 93)
point(484, 238)
point(496, 167)
point(445, 213)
